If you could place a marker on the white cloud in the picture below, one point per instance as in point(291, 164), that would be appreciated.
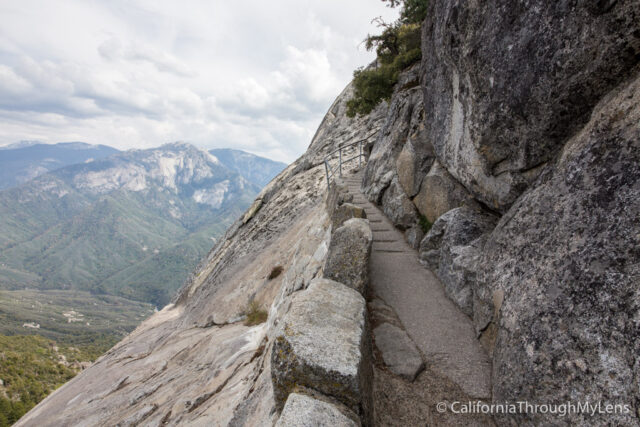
point(252, 75)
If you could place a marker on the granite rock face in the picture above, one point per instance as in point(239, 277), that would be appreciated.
point(306, 411)
point(413, 161)
point(567, 259)
point(452, 249)
point(414, 236)
point(322, 345)
point(404, 125)
point(336, 129)
point(439, 193)
point(348, 257)
point(507, 83)
point(397, 206)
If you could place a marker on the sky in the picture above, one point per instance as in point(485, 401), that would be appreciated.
point(247, 74)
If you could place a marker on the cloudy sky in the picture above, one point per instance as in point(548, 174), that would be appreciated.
point(249, 74)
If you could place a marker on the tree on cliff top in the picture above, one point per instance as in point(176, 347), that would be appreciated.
point(412, 12)
point(397, 47)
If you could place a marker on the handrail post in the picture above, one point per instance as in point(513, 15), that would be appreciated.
point(326, 170)
point(340, 162)
point(360, 155)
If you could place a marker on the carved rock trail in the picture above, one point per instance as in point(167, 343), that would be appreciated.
point(442, 332)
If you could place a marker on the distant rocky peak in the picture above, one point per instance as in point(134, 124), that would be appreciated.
point(185, 147)
point(170, 166)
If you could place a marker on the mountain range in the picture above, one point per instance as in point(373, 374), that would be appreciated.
point(25, 160)
point(131, 224)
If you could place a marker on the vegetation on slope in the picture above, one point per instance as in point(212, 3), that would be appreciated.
point(45, 335)
point(73, 317)
point(31, 367)
point(124, 243)
point(397, 48)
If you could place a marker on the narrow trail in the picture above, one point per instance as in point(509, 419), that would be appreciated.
point(457, 367)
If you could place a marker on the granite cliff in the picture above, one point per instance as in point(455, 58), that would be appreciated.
point(509, 159)
point(524, 153)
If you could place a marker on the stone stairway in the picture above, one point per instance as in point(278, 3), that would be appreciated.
point(457, 367)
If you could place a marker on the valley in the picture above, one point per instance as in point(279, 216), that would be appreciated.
point(92, 248)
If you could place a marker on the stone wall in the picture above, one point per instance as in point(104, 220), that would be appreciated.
point(320, 360)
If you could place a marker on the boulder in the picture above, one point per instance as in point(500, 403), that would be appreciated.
point(348, 257)
point(506, 85)
point(306, 411)
point(439, 193)
point(452, 249)
point(344, 212)
point(566, 257)
point(399, 353)
point(397, 206)
point(323, 345)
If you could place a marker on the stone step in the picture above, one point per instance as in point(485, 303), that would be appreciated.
point(376, 219)
point(364, 206)
point(391, 246)
point(389, 251)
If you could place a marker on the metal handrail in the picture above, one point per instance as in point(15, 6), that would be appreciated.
point(330, 172)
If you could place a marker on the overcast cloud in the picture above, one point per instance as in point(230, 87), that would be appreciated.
point(253, 75)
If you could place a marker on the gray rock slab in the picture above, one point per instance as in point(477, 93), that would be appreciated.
point(452, 249)
point(323, 345)
point(413, 163)
point(348, 257)
point(399, 353)
point(566, 257)
point(305, 411)
point(414, 236)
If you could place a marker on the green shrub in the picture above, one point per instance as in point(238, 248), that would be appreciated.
point(255, 314)
point(30, 369)
point(424, 223)
point(275, 272)
point(370, 87)
point(397, 48)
